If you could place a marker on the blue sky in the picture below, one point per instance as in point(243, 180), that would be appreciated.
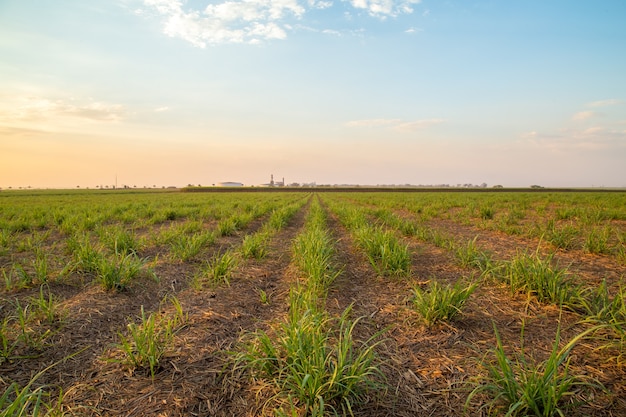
point(166, 92)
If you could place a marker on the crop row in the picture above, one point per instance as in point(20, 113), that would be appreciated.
point(311, 362)
point(592, 222)
point(528, 386)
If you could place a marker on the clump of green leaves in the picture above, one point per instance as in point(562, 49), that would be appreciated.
point(540, 277)
point(315, 364)
point(116, 272)
point(441, 302)
point(184, 247)
point(384, 251)
point(521, 386)
point(217, 270)
point(148, 341)
point(254, 246)
point(470, 255)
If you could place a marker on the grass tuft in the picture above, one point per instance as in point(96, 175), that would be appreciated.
point(524, 387)
point(441, 302)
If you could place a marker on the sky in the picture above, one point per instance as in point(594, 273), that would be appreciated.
point(177, 92)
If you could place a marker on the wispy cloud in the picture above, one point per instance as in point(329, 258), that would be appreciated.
point(373, 122)
point(251, 21)
point(395, 124)
point(385, 8)
point(605, 103)
point(583, 115)
point(417, 125)
point(413, 30)
point(565, 140)
point(34, 108)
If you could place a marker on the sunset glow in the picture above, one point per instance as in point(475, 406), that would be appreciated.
point(175, 92)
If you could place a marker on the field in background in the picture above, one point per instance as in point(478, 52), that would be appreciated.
point(312, 303)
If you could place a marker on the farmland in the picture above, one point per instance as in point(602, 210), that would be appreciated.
point(312, 303)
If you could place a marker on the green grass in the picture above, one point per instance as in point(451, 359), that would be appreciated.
point(46, 306)
point(600, 307)
point(562, 237)
point(17, 278)
point(8, 342)
point(147, 342)
point(264, 297)
point(313, 250)
point(255, 246)
point(86, 257)
point(522, 386)
point(118, 271)
point(26, 401)
point(471, 256)
point(384, 251)
point(227, 227)
point(19, 331)
point(218, 270)
point(185, 247)
point(120, 240)
point(487, 212)
point(441, 302)
point(597, 241)
point(540, 277)
point(314, 364)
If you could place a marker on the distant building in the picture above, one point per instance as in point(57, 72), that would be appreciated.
point(273, 183)
point(229, 184)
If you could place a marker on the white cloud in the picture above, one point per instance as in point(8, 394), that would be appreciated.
point(395, 124)
point(417, 125)
point(583, 115)
point(320, 4)
point(605, 103)
point(331, 32)
point(251, 21)
point(413, 30)
point(385, 8)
